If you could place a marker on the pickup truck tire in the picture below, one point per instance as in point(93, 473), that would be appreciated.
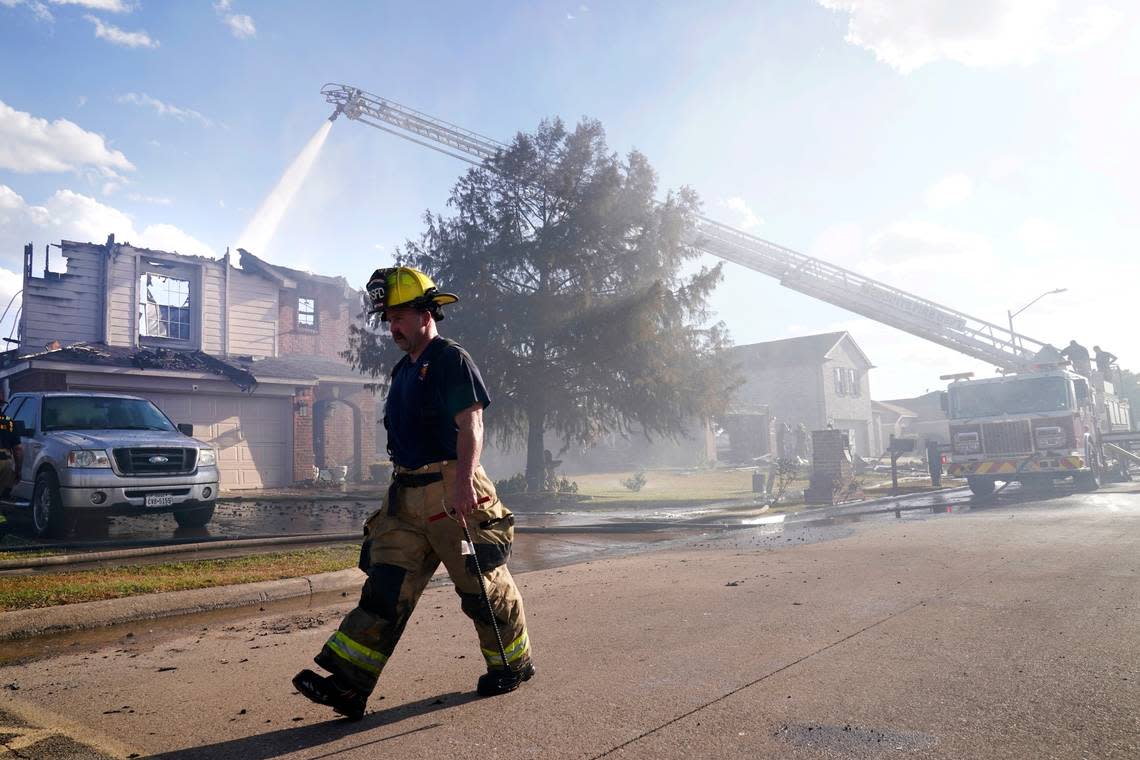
point(49, 518)
point(196, 517)
point(981, 486)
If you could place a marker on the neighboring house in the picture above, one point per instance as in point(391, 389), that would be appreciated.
point(249, 356)
point(890, 419)
point(925, 418)
point(816, 380)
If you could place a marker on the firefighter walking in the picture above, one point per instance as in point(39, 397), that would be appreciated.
point(440, 496)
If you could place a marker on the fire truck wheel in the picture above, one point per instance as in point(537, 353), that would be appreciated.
point(981, 486)
point(1090, 480)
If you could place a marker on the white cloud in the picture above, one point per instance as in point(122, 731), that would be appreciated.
point(117, 36)
point(69, 215)
point(1040, 236)
point(981, 33)
point(109, 6)
point(164, 109)
point(39, 10)
point(30, 144)
point(155, 200)
point(240, 25)
point(910, 248)
point(949, 191)
point(746, 218)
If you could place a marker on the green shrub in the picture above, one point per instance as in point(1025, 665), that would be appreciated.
point(635, 483)
point(565, 485)
point(514, 484)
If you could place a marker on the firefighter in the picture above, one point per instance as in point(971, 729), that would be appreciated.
point(433, 415)
point(1079, 356)
point(1104, 360)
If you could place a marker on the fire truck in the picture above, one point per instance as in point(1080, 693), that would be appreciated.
point(1035, 427)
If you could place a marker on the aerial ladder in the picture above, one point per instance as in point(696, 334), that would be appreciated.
point(814, 277)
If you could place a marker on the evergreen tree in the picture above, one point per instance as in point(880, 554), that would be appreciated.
point(579, 295)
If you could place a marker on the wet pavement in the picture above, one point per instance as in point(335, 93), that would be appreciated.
point(937, 626)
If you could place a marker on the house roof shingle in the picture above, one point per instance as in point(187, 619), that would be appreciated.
point(808, 349)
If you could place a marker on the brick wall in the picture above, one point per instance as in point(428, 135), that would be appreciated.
point(329, 337)
point(346, 429)
point(303, 455)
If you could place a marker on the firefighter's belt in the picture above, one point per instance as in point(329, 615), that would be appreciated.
point(416, 479)
point(409, 480)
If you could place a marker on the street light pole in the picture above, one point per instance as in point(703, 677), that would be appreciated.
point(1011, 315)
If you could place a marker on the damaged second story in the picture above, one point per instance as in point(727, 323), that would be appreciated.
point(120, 295)
point(248, 353)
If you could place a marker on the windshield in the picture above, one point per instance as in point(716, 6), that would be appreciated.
point(1038, 394)
point(99, 413)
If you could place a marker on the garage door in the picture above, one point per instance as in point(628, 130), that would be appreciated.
point(254, 436)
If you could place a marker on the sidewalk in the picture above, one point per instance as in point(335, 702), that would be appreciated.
point(1003, 633)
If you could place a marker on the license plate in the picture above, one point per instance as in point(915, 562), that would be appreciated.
point(159, 500)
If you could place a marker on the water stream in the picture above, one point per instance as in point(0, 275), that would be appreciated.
point(259, 232)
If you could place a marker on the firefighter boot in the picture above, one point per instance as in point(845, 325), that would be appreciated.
point(325, 691)
point(498, 681)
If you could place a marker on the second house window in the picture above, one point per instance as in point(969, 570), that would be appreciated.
point(307, 312)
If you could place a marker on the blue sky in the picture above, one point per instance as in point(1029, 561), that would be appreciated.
point(976, 153)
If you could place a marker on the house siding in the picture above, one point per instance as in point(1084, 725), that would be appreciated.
point(252, 315)
point(213, 307)
point(792, 394)
point(846, 411)
point(65, 307)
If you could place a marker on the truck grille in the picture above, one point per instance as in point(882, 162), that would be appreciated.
point(151, 461)
point(1006, 437)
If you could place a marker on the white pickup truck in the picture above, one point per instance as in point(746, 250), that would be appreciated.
point(79, 452)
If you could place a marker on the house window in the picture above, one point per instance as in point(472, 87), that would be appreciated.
point(307, 312)
point(846, 381)
point(164, 307)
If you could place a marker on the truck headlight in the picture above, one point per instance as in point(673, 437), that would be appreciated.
point(1049, 437)
point(207, 457)
point(967, 443)
point(88, 458)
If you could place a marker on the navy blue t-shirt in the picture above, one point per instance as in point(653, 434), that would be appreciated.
point(424, 398)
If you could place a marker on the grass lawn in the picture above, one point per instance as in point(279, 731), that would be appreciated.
point(669, 485)
point(49, 589)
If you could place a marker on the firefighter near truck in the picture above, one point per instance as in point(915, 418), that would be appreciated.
point(1036, 428)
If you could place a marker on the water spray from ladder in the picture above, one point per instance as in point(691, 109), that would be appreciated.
point(258, 234)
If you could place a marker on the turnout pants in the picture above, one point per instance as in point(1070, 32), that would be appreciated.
point(404, 544)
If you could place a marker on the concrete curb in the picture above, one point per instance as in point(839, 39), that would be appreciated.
point(69, 617)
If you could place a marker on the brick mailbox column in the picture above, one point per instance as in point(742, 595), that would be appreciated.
point(832, 472)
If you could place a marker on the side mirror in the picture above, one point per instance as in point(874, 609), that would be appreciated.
point(944, 401)
point(186, 429)
point(19, 429)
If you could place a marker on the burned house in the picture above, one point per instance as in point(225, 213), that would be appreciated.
point(815, 382)
point(250, 356)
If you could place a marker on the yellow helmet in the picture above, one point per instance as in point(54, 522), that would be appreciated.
point(403, 286)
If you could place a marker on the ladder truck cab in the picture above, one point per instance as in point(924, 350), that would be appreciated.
point(1034, 427)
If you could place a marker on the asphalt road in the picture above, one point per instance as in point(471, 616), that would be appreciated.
point(995, 629)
